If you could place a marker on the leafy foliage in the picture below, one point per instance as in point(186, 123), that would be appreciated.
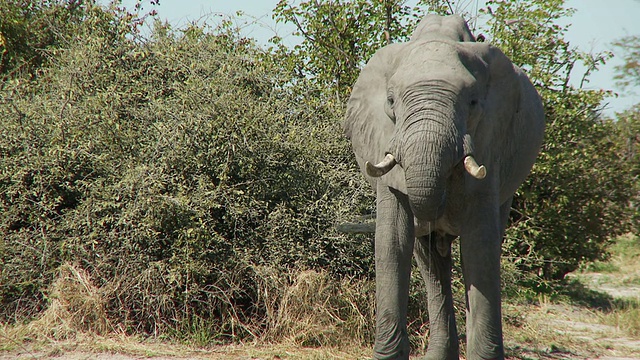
point(339, 36)
point(628, 74)
point(32, 31)
point(170, 170)
point(575, 199)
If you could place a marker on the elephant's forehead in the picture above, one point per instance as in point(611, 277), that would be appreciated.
point(433, 49)
point(433, 60)
point(436, 56)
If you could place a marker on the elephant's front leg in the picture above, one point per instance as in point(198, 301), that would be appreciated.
point(393, 251)
point(433, 256)
point(480, 246)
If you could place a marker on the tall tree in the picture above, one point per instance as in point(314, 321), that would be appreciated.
point(338, 36)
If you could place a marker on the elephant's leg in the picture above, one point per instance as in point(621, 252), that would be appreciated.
point(393, 251)
point(505, 211)
point(480, 246)
point(436, 271)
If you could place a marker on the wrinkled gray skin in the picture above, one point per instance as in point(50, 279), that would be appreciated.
point(418, 101)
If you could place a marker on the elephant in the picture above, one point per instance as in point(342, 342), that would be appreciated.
point(422, 116)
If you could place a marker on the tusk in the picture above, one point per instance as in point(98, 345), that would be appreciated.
point(381, 168)
point(470, 164)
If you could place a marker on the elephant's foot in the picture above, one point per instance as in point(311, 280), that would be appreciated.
point(440, 355)
point(395, 346)
point(491, 351)
point(393, 352)
point(483, 344)
point(400, 355)
point(392, 340)
point(439, 350)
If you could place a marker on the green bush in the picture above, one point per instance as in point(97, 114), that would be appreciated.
point(168, 169)
point(32, 31)
point(576, 198)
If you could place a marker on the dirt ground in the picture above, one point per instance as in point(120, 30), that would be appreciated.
point(589, 335)
point(590, 340)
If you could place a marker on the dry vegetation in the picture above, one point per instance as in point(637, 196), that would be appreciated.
point(315, 317)
point(596, 313)
point(311, 317)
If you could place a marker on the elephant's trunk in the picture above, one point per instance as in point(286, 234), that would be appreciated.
point(431, 146)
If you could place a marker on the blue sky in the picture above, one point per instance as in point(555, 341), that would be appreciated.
point(594, 26)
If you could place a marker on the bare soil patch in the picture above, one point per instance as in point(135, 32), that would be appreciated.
point(572, 332)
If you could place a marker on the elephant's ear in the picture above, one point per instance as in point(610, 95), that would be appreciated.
point(366, 123)
point(503, 93)
point(513, 117)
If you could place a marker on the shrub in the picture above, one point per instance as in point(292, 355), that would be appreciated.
point(168, 169)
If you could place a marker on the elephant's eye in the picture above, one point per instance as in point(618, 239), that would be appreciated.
point(474, 102)
point(390, 100)
point(388, 108)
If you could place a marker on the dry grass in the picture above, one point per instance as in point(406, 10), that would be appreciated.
point(619, 278)
point(626, 318)
point(76, 307)
point(554, 329)
point(75, 315)
point(597, 314)
point(309, 315)
point(316, 310)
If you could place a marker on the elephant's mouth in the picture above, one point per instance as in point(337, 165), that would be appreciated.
point(389, 162)
point(426, 178)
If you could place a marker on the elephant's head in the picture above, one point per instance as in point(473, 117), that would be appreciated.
point(422, 105)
